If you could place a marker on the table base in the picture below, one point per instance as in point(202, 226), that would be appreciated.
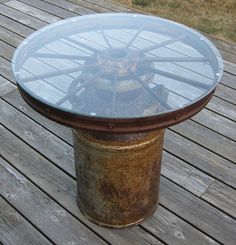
point(118, 176)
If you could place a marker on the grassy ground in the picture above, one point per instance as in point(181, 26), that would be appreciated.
point(215, 17)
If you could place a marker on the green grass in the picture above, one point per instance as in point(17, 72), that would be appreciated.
point(214, 17)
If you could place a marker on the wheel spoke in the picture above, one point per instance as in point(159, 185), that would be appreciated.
point(82, 85)
point(176, 59)
point(61, 56)
point(179, 78)
point(162, 44)
point(57, 73)
point(105, 37)
point(135, 36)
point(163, 103)
point(82, 44)
point(74, 83)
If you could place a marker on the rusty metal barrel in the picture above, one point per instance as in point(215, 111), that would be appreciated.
point(118, 176)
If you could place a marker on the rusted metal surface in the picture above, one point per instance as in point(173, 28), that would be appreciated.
point(122, 125)
point(118, 176)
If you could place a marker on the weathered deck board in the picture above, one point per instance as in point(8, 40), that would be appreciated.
point(49, 8)
point(61, 131)
point(223, 108)
point(111, 6)
point(229, 56)
point(207, 138)
point(5, 86)
point(199, 213)
point(230, 67)
point(6, 50)
point(174, 230)
point(223, 45)
point(226, 93)
point(21, 17)
point(32, 11)
point(198, 175)
point(80, 10)
point(215, 121)
point(15, 229)
point(10, 37)
point(6, 70)
point(94, 6)
point(16, 26)
point(185, 175)
point(229, 79)
point(198, 156)
point(55, 149)
point(221, 196)
point(54, 221)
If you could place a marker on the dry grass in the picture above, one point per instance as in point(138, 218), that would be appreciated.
point(215, 17)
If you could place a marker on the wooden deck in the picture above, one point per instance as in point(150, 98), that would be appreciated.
point(37, 177)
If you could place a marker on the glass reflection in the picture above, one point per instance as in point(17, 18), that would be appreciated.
point(117, 65)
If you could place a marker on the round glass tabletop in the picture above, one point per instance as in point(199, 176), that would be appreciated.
point(117, 66)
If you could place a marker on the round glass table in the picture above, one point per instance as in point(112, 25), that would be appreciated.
point(118, 80)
